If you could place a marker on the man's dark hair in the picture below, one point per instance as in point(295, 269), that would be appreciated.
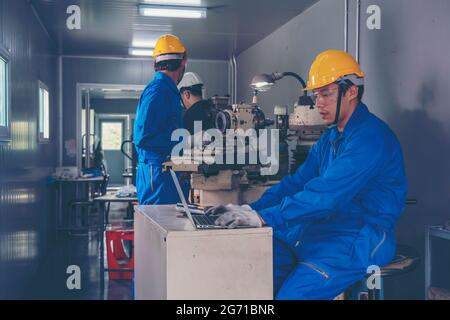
point(169, 65)
point(348, 84)
point(195, 90)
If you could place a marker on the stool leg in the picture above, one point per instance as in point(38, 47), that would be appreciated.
point(107, 212)
point(371, 294)
point(130, 211)
point(381, 297)
point(377, 294)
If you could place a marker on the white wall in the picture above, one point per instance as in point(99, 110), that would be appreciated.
point(408, 76)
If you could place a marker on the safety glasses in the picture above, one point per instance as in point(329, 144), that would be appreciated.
point(326, 94)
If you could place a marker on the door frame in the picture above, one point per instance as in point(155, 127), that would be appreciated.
point(126, 129)
point(80, 87)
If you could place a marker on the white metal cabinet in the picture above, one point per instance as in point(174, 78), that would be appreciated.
point(175, 261)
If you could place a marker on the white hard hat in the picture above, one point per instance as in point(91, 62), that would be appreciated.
point(190, 79)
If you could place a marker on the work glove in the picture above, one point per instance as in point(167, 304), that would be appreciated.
point(219, 209)
point(233, 216)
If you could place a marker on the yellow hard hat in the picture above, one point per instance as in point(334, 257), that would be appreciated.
point(168, 47)
point(330, 66)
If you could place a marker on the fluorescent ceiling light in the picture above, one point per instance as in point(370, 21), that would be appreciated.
point(144, 43)
point(176, 2)
point(141, 52)
point(157, 28)
point(172, 11)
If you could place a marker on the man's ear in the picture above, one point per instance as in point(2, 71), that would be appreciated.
point(352, 92)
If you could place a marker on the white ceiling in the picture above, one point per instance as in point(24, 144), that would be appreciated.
point(108, 27)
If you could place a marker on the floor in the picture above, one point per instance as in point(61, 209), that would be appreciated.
point(80, 250)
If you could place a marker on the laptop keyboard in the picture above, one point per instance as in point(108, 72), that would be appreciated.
point(204, 219)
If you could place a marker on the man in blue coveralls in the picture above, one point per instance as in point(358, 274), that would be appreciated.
point(337, 214)
point(159, 113)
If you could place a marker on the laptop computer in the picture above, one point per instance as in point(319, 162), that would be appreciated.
point(200, 221)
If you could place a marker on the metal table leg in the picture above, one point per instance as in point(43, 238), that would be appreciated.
point(101, 234)
point(427, 261)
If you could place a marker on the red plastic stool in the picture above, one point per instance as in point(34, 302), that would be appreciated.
point(116, 254)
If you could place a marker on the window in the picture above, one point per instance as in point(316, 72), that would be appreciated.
point(5, 115)
point(111, 135)
point(44, 115)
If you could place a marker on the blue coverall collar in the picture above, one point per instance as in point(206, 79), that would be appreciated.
point(168, 80)
point(361, 112)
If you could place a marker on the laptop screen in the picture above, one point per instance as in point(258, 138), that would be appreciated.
point(181, 195)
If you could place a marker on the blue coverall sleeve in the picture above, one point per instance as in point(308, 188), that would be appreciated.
point(290, 184)
point(153, 127)
point(345, 177)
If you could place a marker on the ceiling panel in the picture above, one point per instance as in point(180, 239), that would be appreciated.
point(108, 27)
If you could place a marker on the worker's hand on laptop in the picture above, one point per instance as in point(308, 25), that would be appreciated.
point(233, 216)
point(216, 210)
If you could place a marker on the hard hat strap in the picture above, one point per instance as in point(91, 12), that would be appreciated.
point(338, 106)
